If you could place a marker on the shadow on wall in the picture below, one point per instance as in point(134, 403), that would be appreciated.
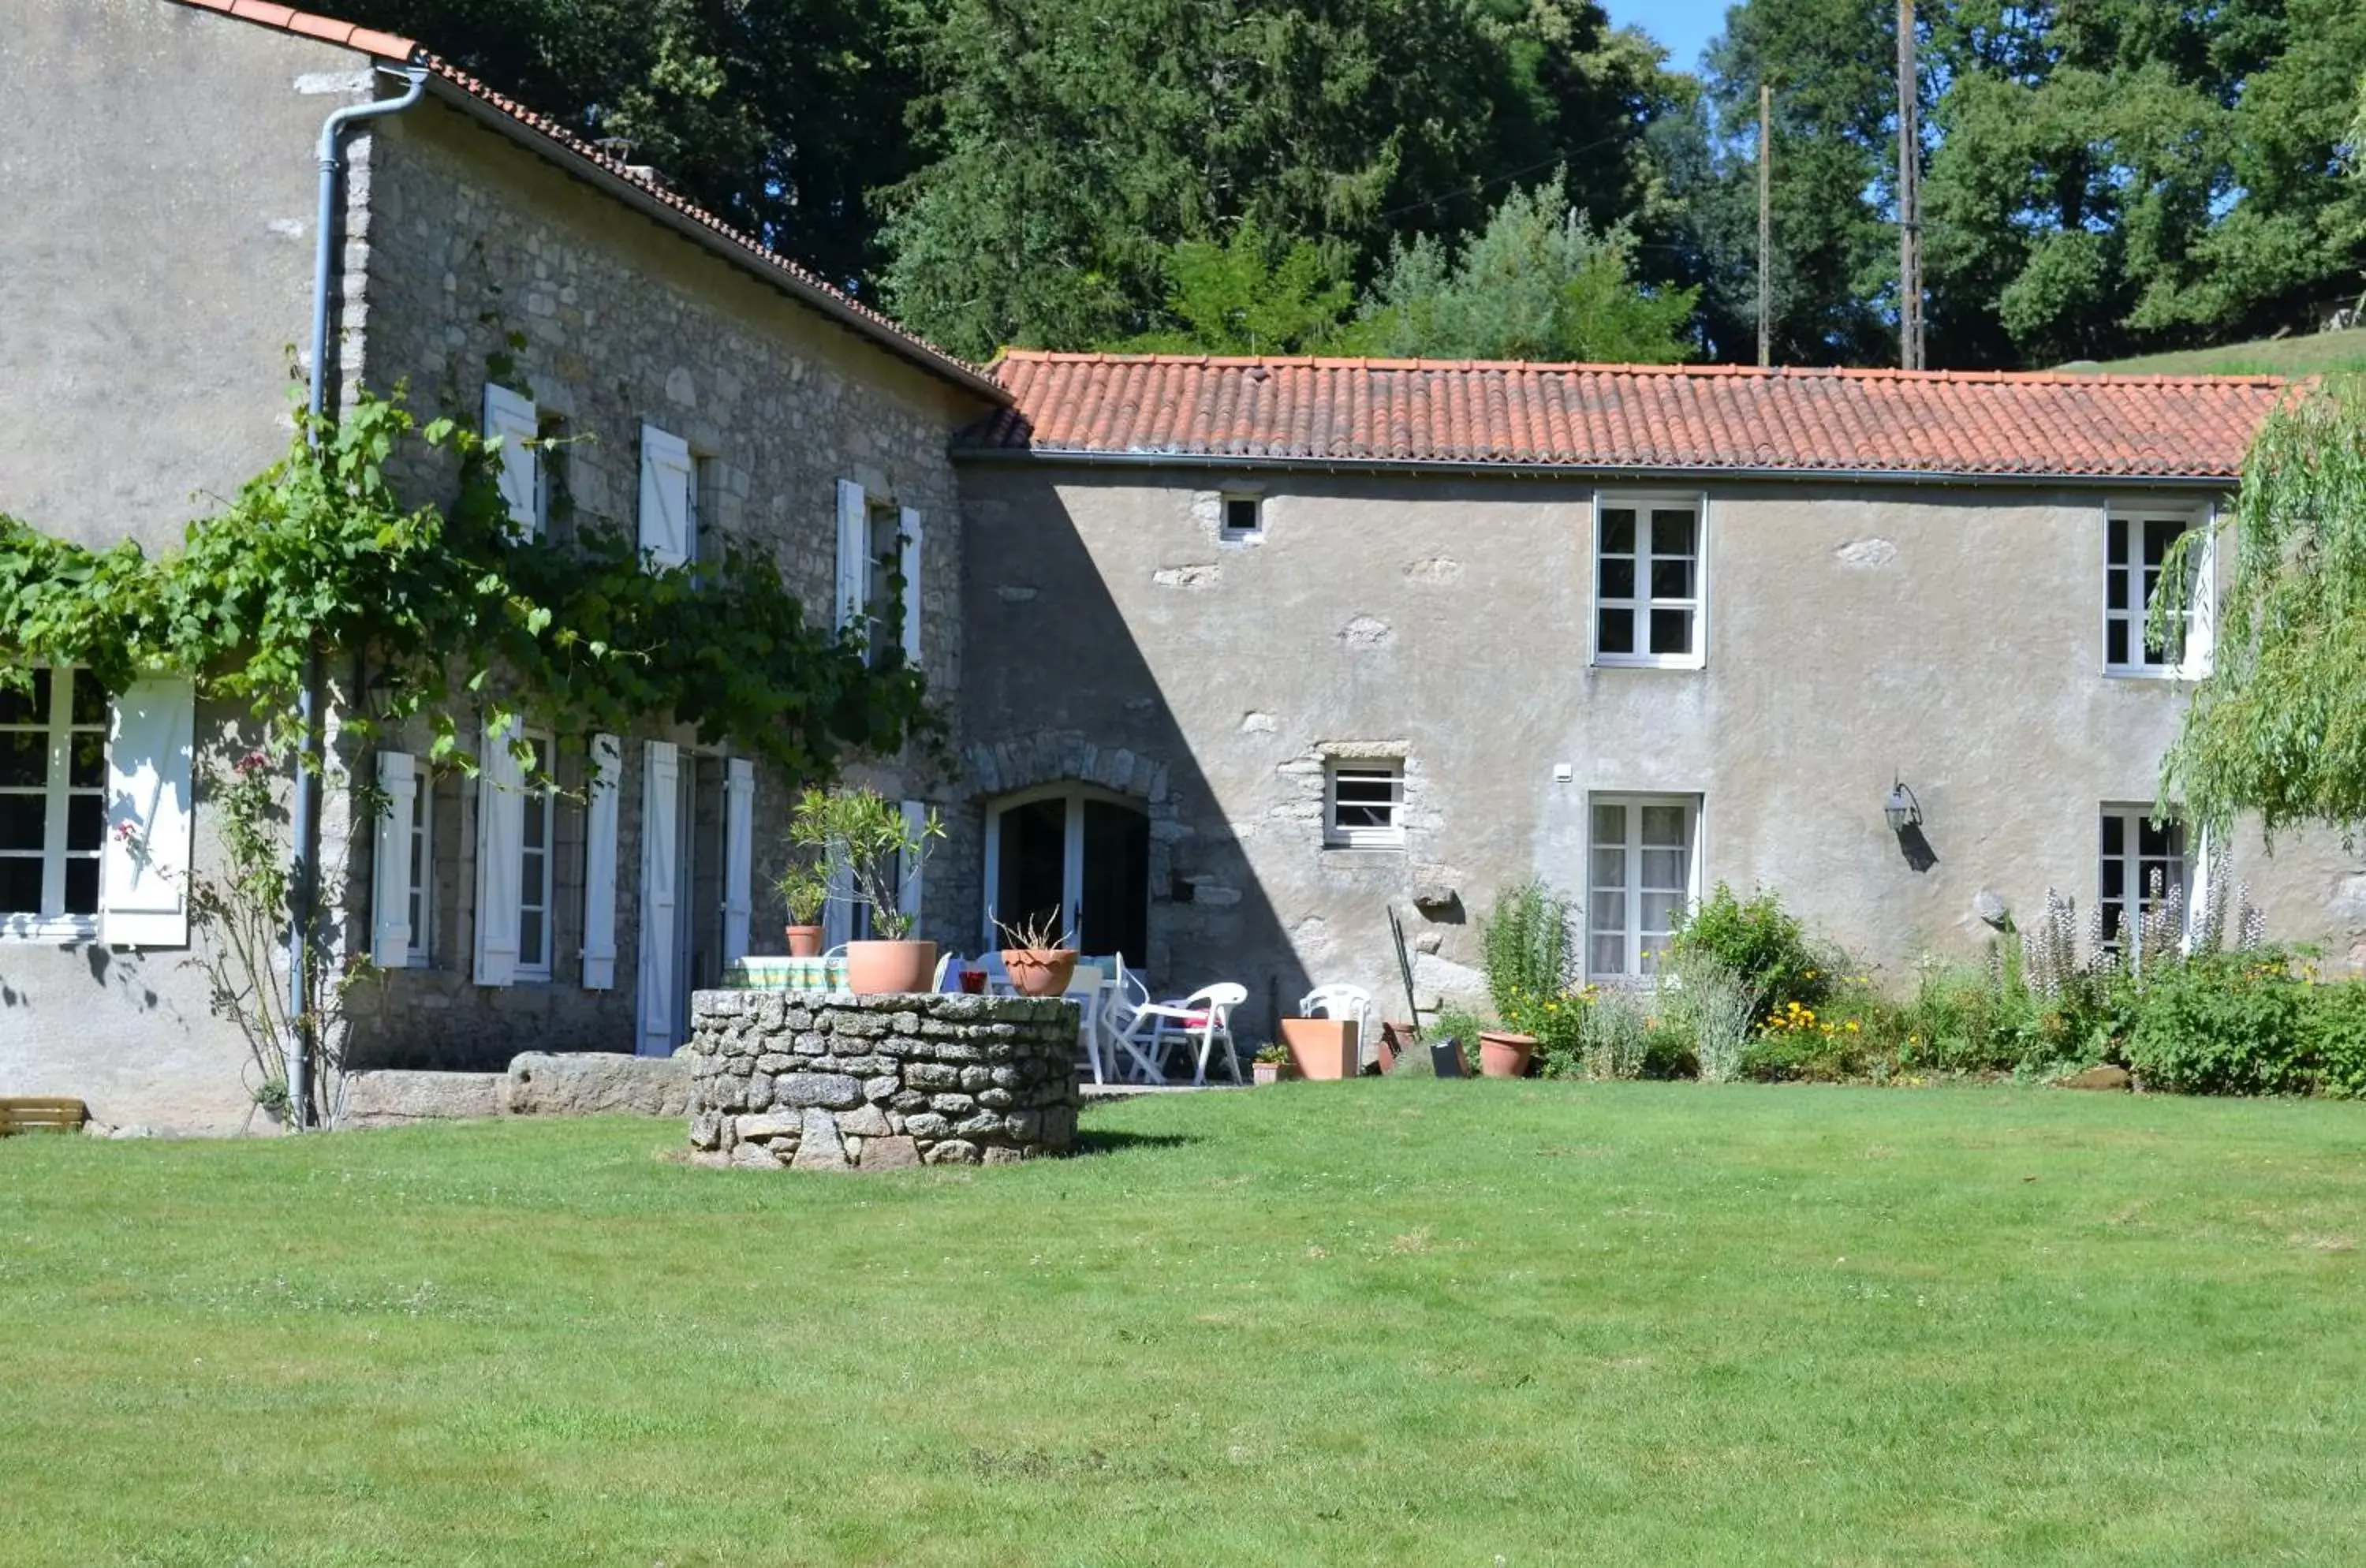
point(1084, 790)
point(125, 973)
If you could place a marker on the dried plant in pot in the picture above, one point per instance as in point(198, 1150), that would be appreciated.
point(1039, 954)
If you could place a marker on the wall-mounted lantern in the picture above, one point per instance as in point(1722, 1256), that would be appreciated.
point(1905, 813)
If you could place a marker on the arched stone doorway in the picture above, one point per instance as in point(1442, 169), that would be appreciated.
point(1074, 854)
point(1092, 828)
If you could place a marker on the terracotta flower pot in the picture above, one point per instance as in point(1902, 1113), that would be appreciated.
point(1503, 1055)
point(1267, 1072)
point(1039, 971)
point(805, 942)
point(1321, 1048)
point(1396, 1039)
point(879, 968)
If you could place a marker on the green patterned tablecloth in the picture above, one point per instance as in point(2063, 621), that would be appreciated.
point(784, 974)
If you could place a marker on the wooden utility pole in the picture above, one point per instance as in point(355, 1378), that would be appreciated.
point(1909, 197)
point(1765, 225)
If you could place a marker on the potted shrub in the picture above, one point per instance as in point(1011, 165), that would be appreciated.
point(1271, 1063)
point(1505, 1054)
point(802, 888)
point(869, 834)
point(1527, 946)
point(1040, 957)
point(1323, 1048)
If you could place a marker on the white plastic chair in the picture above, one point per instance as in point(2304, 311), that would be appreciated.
point(948, 974)
point(1085, 989)
point(1204, 1016)
point(1125, 997)
point(1340, 1001)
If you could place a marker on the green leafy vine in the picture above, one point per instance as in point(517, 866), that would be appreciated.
point(318, 555)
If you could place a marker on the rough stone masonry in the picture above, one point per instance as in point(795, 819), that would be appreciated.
point(818, 1081)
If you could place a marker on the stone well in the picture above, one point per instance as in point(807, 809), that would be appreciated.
point(819, 1081)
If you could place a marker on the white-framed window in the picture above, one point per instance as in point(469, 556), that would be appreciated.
point(420, 898)
point(1243, 519)
point(2136, 546)
point(877, 542)
point(1648, 581)
point(511, 417)
point(2142, 867)
point(536, 841)
point(52, 804)
point(1363, 804)
point(1642, 870)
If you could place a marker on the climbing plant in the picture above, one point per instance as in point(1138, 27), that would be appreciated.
point(318, 555)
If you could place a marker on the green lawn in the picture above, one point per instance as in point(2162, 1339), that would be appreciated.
point(2314, 355)
point(1388, 1322)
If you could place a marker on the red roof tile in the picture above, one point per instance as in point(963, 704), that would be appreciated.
point(387, 46)
point(514, 118)
point(1655, 418)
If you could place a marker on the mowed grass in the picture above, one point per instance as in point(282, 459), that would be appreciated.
point(1385, 1321)
point(2314, 353)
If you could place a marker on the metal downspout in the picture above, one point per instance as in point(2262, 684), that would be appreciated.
point(304, 880)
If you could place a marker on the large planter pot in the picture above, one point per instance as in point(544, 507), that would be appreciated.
point(1039, 971)
point(1396, 1039)
point(805, 942)
point(878, 969)
point(1504, 1055)
point(1321, 1048)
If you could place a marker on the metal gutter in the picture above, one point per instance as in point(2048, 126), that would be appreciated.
point(1694, 474)
point(756, 262)
point(303, 809)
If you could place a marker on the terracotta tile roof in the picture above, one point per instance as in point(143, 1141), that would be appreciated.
point(508, 115)
point(1654, 418)
point(387, 46)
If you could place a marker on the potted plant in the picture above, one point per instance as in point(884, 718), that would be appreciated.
point(1271, 1063)
point(1038, 955)
point(1324, 1048)
point(880, 847)
point(1504, 1054)
point(802, 888)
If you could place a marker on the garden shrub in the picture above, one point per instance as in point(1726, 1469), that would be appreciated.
point(1707, 1010)
point(1446, 1023)
point(2338, 1038)
point(1526, 943)
point(2232, 1023)
point(1615, 1036)
point(1963, 1021)
point(1761, 943)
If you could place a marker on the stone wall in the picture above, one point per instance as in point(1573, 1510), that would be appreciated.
point(826, 1082)
point(620, 322)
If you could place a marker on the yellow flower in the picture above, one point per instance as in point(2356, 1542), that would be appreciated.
point(1852, 1026)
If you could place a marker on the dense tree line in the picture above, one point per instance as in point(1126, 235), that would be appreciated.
point(2100, 177)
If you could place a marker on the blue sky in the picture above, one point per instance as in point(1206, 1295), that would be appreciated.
point(1684, 26)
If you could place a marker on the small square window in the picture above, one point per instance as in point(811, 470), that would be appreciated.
point(1244, 517)
point(1646, 583)
point(1366, 805)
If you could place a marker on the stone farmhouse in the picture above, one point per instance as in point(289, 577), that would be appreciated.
point(1238, 655)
